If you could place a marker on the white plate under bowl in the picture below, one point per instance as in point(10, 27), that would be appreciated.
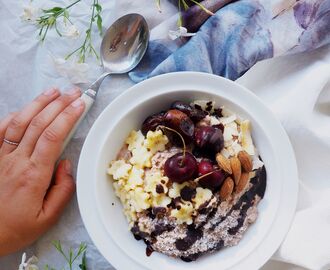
point(102, 213)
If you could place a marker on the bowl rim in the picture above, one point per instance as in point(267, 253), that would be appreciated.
point(86, 208)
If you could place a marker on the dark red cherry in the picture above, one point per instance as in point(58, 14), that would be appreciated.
point(180, 168)
point(209, 139)
point(204, 167)
point(219, 126)
point(195, 114)
point(180, 122)
point(212, 181)
point(152, 122)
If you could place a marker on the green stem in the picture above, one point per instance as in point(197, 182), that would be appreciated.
point(72, 4)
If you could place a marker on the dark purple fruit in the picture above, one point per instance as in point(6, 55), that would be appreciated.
point(205, 167)
point(195, 114)
point(209, 139)
point(219, 126)
point(181, 106)
point(152, 122)
point(212, 181)
point(180, 122)
point(180, 168)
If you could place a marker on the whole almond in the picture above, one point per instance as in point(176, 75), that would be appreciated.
point(245, 160)
point(245, 177)
point(227, 188)
point(224, 163)
point(236, 169)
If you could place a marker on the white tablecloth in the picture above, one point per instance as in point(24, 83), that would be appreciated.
point(296, 88)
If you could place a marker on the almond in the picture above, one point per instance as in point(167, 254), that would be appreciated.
point(236, 169)
point(227, 188)
point(224, 163)
point(245, 160)
point(245, 177)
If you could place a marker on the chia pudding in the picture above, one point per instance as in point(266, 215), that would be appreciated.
point(190, 180)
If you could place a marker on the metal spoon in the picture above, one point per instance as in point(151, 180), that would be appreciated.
point(122, 48)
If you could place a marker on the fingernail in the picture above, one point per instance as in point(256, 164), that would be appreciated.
point(77, 103)
point(50, 92)
point(73, 91)
point(68, 166)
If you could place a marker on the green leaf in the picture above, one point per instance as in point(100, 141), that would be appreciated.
point(98, 8)
point(99, 24)
point(83, 265)
point(53, 10)
point(57, 245)
point(70, 255)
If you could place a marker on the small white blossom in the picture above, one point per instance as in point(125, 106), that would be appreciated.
point(30, 264)
point(181, 32)
point(70, 31)
point(30, 13)
point(74, 71)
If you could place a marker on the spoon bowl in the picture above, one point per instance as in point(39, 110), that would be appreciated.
point(124, 44)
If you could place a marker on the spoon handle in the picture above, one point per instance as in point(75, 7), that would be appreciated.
point(88, 104)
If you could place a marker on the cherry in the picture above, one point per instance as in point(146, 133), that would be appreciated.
point(219, 126)
point(205, 167)
point(181, 167)
point(152, 122)
point(212, 180)
point(195, 114)
point(209, 139)
point(180, 122)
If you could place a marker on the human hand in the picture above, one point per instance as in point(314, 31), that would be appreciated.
point(30, 202)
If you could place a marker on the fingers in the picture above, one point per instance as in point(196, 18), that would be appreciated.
point(17, 126)
point(59, 194)
point(4, 125)
point(41, 121)
point(49, 145)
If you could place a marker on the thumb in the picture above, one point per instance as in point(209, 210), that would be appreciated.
point(59, 193)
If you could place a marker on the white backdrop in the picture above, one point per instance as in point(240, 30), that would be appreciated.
point(296, 88)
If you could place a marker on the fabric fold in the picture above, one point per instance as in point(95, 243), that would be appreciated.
point(239, 35)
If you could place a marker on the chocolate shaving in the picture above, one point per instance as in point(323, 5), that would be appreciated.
point(188, 193)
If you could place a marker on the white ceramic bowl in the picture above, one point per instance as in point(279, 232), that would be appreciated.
point(102, 213)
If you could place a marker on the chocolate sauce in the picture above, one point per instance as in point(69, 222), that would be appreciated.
point(138, 235)
point(159, 229)
point(159, 189)
point(149, 249)
point(217, 112)
point(192, 236)
point(188, 193)
point(158, 212)
point(191, 258)
point(209, 106)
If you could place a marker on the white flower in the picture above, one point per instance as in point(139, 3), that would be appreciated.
point(70, 31)
point(74, 71)
point(30, 13)
point(30, 264)
point(181, 32)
